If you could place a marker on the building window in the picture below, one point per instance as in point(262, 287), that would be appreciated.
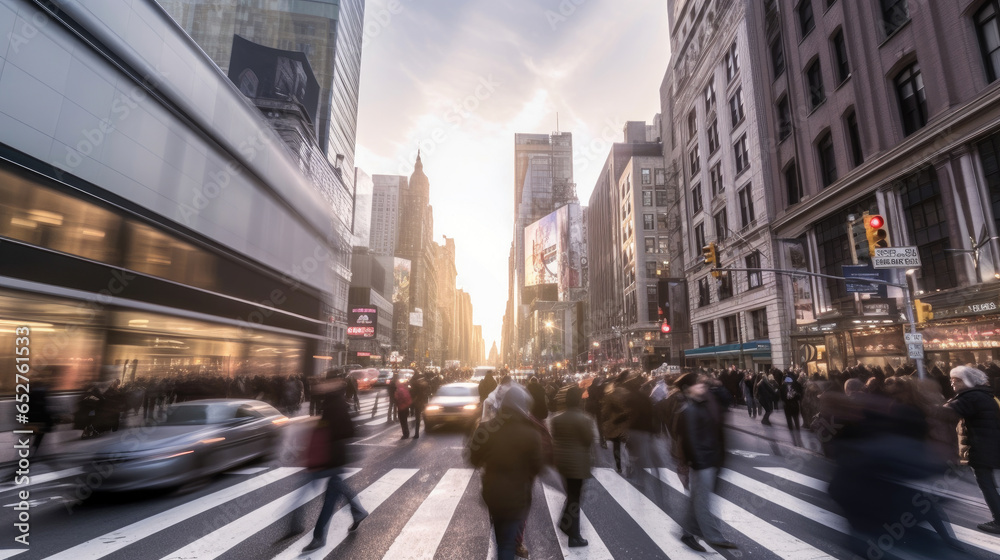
point(854, 136)
point(721, 225)
point(710, 97)
point(661, 220)
point(725, 286)
point(715, 174)
point(704, 294)
point(912, 101)
point(731, 328)
point(806, 21)
point(842, 66)
point(732, 62)
point(652, 304)
point(814, 77)
point(736, 113)
point(707, 332)
point(927, 223)
point(647, 177)
point(754, 279)
point(827, 160)
point(647, 198)
point(989, 155)
point(662, 246)
point(695, 160)
point(792, 185)
point(784, 118)
point(747, 216)
point(777, 57)
point(742, 155)
point(658, 176)
point(696, 199)
point(758, 320)
point(894, 14)
point(650, 243)
point(661, 197)
point(651, 269)
point(713, 137)
point(834, 249)
point(988, 27)
point(648, 222)
point(699, 237)
point(692, 124)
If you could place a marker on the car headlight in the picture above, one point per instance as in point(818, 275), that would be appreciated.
point(470, 407)
point(433, 407)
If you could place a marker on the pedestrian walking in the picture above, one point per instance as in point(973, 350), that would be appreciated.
point(402, 398)
point(539, 409)
point(616, 416)
point(420, 392)
point(748, 385)
point(327, 455)
point(766, 392)
point(572, 439)
point(487, 385)
point(509, 450)
point(595, 402)
point(703, 448)
point(791, 395)
point(979, 434)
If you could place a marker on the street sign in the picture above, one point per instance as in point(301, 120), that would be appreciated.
point(915, 351)
point(864, 272)
point(913, 338)
point(896, 257)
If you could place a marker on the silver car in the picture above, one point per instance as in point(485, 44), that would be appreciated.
point(454, 402)
point(196, 439)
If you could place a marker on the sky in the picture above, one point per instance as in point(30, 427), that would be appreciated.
point(458, 78)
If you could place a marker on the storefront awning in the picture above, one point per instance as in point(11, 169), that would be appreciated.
point(756, 348)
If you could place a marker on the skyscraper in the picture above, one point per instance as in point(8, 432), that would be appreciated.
point(385, 213)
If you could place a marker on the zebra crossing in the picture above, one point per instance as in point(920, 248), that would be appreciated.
point(437, 496)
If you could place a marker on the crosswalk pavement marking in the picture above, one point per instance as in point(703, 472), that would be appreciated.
point(787, 501)
point(119, 539)
point(251, 470)
point(39, 479)
point(595, 549)
point(661, 529)
point(11, 552)
point(756, 529)
point(222, 540)
point(968, 536)
point(371, 498)
point(422, 534)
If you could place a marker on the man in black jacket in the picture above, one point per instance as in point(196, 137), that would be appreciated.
point(703, 448)
point(979, 442)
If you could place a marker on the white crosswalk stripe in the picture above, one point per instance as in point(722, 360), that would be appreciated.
point(595, 549)
point(117, 540)
point(777, 541)
point(225, 538)
point(663, 530)
point(371, 498)
point(422, 534)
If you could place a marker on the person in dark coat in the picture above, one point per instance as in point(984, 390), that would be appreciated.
point(979, 434)
point(572, 439)
point(791, 393)
point(766, 391)
point(595, 399)
point(336, 419)
point(398, 392)
point(702, 448)
point(509, 450)
point(420, 392)
point(486, 386)
point(539, 409)
point(617, 416)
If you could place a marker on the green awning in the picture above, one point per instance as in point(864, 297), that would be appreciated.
point(758, 348)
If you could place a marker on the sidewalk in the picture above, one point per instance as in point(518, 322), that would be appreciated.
point(962, 488)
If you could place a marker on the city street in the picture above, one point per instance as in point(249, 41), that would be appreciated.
point(425, 502)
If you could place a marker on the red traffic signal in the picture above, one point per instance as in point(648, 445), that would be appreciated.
point(665, 328)
point(876, 221)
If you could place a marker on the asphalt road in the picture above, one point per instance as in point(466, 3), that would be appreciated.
point(425, 503)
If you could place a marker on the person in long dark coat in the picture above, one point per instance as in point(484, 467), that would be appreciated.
point(538, 409)
point(509, 450)
point(572, 439)
point(979, 434)
point(486, 386)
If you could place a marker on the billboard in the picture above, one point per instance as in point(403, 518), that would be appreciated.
point(417, 318)
point(401, 281)
point(362, 322)
point(264, 73)
point(555, 250)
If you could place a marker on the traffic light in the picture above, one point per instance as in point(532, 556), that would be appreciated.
point(710, 255)
point(878, 236)
point(665, 328)
point(924, 311)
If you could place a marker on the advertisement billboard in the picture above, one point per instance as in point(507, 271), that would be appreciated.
point(555, 250)
point(401, 281)
point(264, 73)
point(362, 322)
point(417, 318)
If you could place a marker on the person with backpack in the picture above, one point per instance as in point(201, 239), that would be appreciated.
point(791, 395)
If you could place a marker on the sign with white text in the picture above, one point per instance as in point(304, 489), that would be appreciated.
point(896, 257)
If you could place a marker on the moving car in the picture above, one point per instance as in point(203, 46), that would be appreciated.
point(365, 377)
point(454, 402)
point(196, 439)
point(383, 379)
point(480, 372)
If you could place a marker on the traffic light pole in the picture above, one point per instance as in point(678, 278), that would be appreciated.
point(907, 296)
